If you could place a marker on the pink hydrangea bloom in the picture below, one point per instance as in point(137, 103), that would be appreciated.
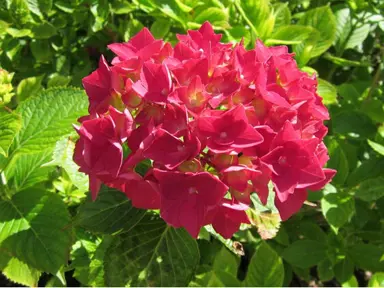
point(218, 122)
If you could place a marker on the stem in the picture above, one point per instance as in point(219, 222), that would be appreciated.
point(376, 77)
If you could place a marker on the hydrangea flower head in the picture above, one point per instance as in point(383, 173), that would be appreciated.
point(216, 122)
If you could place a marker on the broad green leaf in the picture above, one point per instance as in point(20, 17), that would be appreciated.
point(213, 15)
point(338, 160)
point(351, 282)
point(337, 208)
point(374, 109)
point(282, 15)
point(18, 272)
point(367, 256)
point(45, 5)
point(348, 93)
point(41, 50)
point(236, 33)
point(259, 14)
point(25, 170)
point(233, 246)
point(349, 34)
point(323, 20)
point(305, 253)
point(223, 272)
point(29, 87)
point(344, 270)
point(369, 169)
point(19, 33)
point(62, 156)
point(100, 12)
point(293, 33)
point(33, 229)
point(371, 189)
point(122, 7)
point(87, 258)
point(47, 117)
point(353, 123)
point(111, 212)
point(44, 30)
point(160, 28)
point(311, 230)
point(55, 80)
point(171, 9)
point(10, 124)
point(327, 91)
point(377, 280)
point(325, 271)
point(265, 269)
point(19, 11)
point(151, 254)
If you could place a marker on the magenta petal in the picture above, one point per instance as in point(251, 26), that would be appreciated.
point(292, 204)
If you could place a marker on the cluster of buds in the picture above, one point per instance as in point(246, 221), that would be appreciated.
point(217, 123)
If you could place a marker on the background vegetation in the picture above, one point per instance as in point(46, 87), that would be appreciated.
point(50, 232)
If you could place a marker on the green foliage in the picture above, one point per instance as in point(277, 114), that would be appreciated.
point(49, 225)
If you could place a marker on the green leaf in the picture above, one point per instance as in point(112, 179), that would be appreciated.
point(44, 31)
point(266, 268)
point(47, 117)
point(18, 272)
point(369, 169)
point(45, 5)
point(323, 20)
point(171, 9)
point(367, 256)
point(327, 91)
point(110, 213)
point(10, 124)
point(32, 228)
point(62, 156)
point(282, 15)
point(371, 189)
point(374, 109)
point(223, 272)
point(351, 282)
point(353, 123)
point(337, 208)
point(259, 14)
point(58, 80)
point(305, 253)
point(151, 254)
point(19, 11)
point(213, 15)
point(87, 257)
point(347, 35)
point(25, 170)
point(236, 33)
point(28, 87)
point(41, 50)
point(344, 270)
point(293, 33)
point(338, 160)
point(376, 146)
point(325, 271)
point(19, 33)
point(377, 280)
point(160, 28)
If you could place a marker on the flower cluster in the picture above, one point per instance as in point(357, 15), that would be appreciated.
point(216, 121)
